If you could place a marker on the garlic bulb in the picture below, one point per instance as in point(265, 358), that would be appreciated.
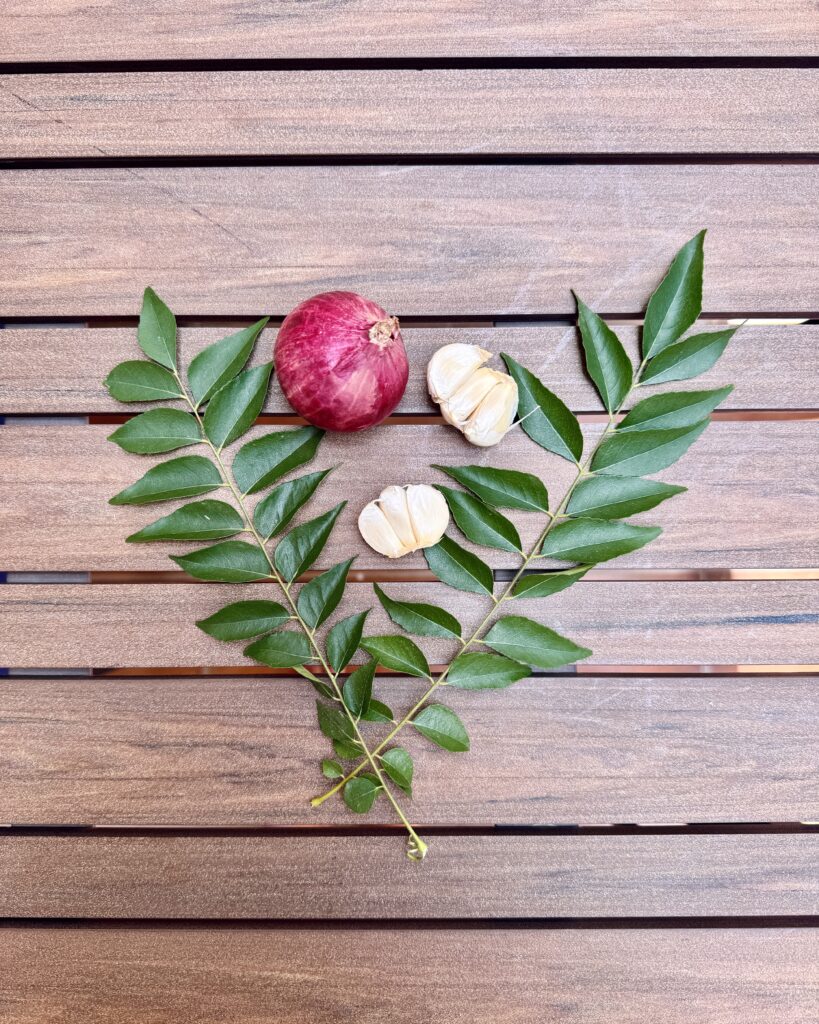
point(479, 402)
point(404, 519)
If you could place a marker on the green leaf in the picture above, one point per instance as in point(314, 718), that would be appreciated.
point(595, 540)
point(641, 452)
point(347, 751)
point(458, 567)
point(232, 561)
point(331, 769)
point(277, 508)
point(378, 712)
point(545, 584)
point(397, 764)
point(688, 358)
point(316, 683)
point(398, 653)
point(532, 644)
point(297, 551)
point(233, 410)
point(543, 416)
point(480, 523)
point(606, 360)
point(360, 793)
point(284, 649)
point(261, 461)
point(673, 410)
point(158, 430)
point(334, 723)
point(200, 520)
point(343, 640)
point(501, 488)
point(137, 380)
point(420, 619)
point(677, 303)
point(617, 497)
point(319, 598)
point(220, 362)
point(185, 477)
point(485, 672)
point(243, 620)
point(441, 725)
point(358, 689)
point(156, 333)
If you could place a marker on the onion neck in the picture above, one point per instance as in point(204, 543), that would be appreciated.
point(382, 332)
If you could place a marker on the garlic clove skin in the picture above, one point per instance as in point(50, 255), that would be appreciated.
point(417, 508)
point(377, 532)
point(451, 366)
point(393, 503)
point(429, 513)
point(491, 421)
point(462, 403)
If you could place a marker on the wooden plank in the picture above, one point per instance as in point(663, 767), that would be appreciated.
point(431, 28)
point(565, 110)
point(207, 975)
point(563, 750)
point(656, 623)
point(56, 482)
point(420, 239)
point(61, 370)
point(283, 877)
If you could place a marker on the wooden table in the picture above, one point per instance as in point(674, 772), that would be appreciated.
point(630, 841)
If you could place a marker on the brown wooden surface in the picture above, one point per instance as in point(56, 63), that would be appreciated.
point(109, 625)
point(61, 370)
point(420, 239)
point(323, 974)
point(563, 750)
point(366, 29)
point(56, 482)
point(467, 876)
point(435, 111)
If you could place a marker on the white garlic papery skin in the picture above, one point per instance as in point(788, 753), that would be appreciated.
point(404, 519)
point(480, 402)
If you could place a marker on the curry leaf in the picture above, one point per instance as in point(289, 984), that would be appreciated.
point(232, 561)
point(297, 550)
point(284, 649)
point(473, 671)
point(138, 380)
point(358, 689)
point(640, 452)
point(532, 644)
point(617, 497)
point(595, 540)
point(398, 653)
point(606, 360)
point(220, 362)
point(157, 330)
point(480, 523)
point(185, 477)
point(688, 358)
point(263, 460)
point(156, 431)
point(331, 769)
point(673, 410)
point(347, 750)
point(502, 488)
point(200, 520)
point(418, 618)
point(378, 712)
point(343, 640)
point(243, 620)
point(360, 793)
point(544, 584)
point(458, 567)
point(233, 410)
point(442, 726)
point(543, 416)
point(277, 508)
point(334, 723)
point(319, 598)
point(398, 765)
point(677, 302)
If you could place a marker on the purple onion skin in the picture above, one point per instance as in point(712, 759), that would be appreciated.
point(341, 362)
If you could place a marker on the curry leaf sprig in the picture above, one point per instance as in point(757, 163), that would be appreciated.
point(220, 402)
point(586, 527)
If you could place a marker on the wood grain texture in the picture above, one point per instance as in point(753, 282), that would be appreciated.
point(495, 976)
point(234, 877)
point(420, 239)
point(61, 370)
point(464, 111)
point(56, 482)
point(563, 750)
point(60, 30)
point(99, 625)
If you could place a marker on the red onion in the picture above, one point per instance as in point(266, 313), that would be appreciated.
point(341, 362)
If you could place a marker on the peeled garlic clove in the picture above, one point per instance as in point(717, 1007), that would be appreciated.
point(462, 403)
point(451, 366)
point(393, 503)
point(494, 416)
point(429, 513)
point(377, 532)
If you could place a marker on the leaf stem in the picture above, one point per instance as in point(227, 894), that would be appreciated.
point(417, 847)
